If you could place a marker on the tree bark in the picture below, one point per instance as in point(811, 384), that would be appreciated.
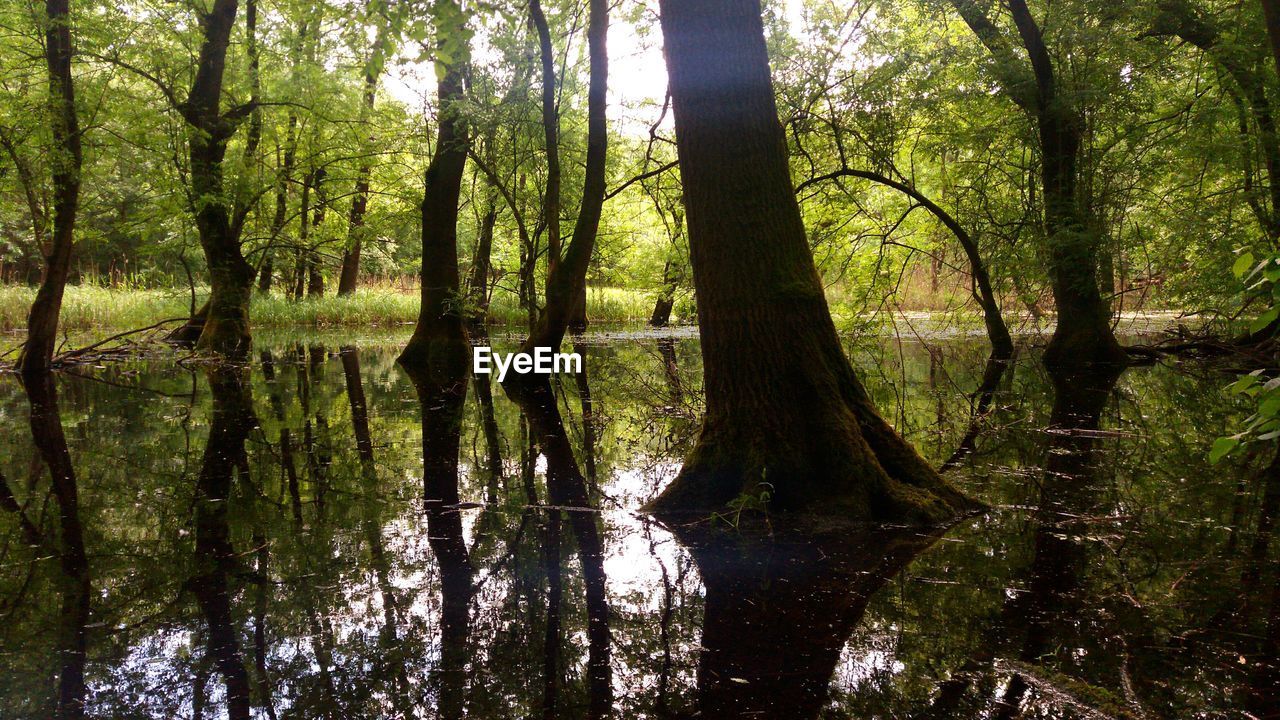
point(226, 328)
point(315, 276)
point(566, 279)
point(65, 161)
point(350, 275)
point(478, 279)
point(785, 411)
point(1083, 332)
point(551, 138)
point(440, 325)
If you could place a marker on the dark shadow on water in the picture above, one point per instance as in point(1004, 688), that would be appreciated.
point(780, 606)
point(1046, 616)
point(216, 562)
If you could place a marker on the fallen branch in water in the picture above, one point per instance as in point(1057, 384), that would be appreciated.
point(81, 355)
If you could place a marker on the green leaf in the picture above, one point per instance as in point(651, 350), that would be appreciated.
point(1221, 447)
point(1261, 322)
point(1242, 265)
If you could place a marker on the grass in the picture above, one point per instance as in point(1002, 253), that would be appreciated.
point(92, 309)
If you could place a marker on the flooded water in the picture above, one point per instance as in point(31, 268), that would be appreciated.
point(256, 543)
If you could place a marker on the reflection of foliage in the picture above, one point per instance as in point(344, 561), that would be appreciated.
point(356, 584)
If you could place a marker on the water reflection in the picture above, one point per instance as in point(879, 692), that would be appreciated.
point(216, 561)
point(317, 536)
point(780, 606)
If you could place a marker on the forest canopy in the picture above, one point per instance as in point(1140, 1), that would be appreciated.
point(894, 113)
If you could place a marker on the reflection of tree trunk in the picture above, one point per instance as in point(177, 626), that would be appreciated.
point(1070, 493)
point(262, 574)
point(215, 559)
point(981, 399)
point(551, 635)
point(781, 606)
point(391, 658)
point(442, 392)
point(567, 488)
point(492, 438)
point(588, 419)
point(73, 584)
point(671, 370)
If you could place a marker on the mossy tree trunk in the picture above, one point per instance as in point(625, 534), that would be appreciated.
point(226, 326)
point(1074, 243)
point(440, 323)
point(785, 411)
point(64, 161)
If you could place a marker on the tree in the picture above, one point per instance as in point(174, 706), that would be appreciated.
point(439, 336)
point(567, 274)
point(65, 161)
point(1083, 332)
point(767, 336)
point(226, 326)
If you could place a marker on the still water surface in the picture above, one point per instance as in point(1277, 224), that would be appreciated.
point(1117, 573)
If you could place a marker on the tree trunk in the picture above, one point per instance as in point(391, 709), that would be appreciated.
point(350, 274)
point(787, 419)
point(566, 279)
point(478, 280)
point(315, 278)
point(1083, 333)
point(440, 330)
point(666, 299)
point(551, 138)
point(65, 160)
point(226, 328)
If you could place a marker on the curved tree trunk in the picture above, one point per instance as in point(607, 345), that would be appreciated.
point(786, 415)
point(226, 327)
point(997, 331)
point(567, 276)
point(65, 160)
point(440, 330)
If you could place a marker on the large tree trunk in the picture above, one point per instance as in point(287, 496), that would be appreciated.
point(785, 412)
point(567, 275)
point(440, 330)
point(226, 328)
point(64, 160)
